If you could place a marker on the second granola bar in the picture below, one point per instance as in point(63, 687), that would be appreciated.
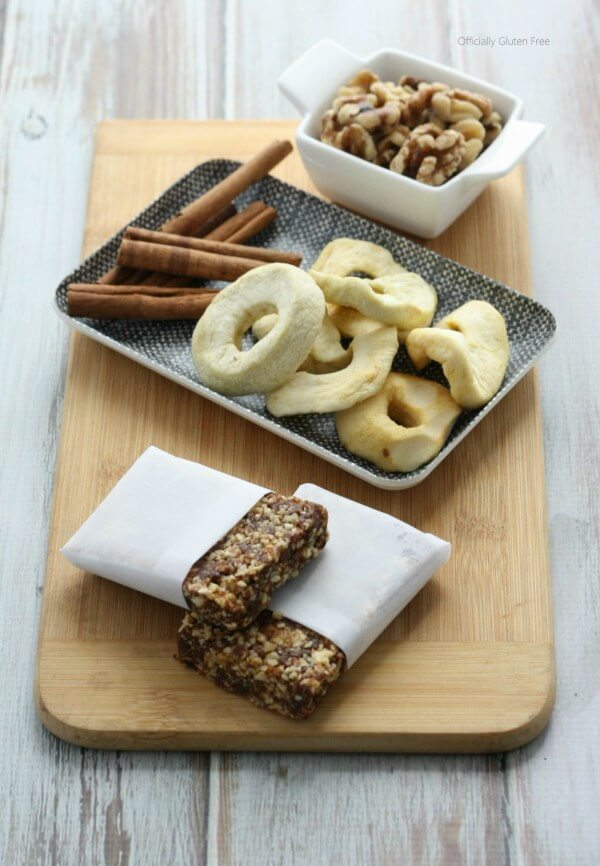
point(234, 581)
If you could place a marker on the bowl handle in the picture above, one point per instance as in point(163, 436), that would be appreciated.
point(314, 76)
point(511, 146)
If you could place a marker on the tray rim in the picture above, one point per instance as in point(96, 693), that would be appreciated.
point(381, 482)
point(282, 432)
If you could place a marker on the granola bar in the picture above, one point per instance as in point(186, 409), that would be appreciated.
point(234, 581)
point(274, 662)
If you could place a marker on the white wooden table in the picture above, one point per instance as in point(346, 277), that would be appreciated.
point(66, 65)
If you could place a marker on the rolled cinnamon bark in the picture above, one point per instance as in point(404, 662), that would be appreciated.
point(151, 291)
point(177, 260)
point(253, 226)
point(261, 254)
point(230, 227)
point(213, 222)
point(238, 221)
point(195, 216)
point(239, 180)
point(192, 218)
point(136, 302)
point(128, 276)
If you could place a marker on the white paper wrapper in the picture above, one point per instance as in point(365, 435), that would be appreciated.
point(166, 512)
point(163, 515)
point(371, 567)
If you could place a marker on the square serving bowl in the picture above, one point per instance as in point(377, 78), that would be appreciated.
point(311, 84)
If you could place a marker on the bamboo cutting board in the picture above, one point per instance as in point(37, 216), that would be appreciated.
point(468, 666)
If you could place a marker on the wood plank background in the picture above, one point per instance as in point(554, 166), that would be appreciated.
point(66, 65)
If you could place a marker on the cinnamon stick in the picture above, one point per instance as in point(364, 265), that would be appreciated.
point(126, 289)
point(137, 302)
point(192, 218)
point(119, 275)
point(224, 231)
point(253, 226)
point(254, 169)
point(115, 275)
point(178, 260)
point(213, 222)
point(262, 254)
point(235, 223)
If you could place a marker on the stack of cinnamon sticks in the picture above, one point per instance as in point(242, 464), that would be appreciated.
point(156, 270)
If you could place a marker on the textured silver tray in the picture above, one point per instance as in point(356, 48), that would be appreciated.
point(305, 224)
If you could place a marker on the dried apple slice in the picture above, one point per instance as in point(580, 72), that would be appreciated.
point(372, 357)
point(403, 426)
point(300, 306)
point(471, 344)
point(403, 300)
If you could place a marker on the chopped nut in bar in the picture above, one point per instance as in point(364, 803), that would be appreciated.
point(274, 662)
point(234, 581)
point(383, 122)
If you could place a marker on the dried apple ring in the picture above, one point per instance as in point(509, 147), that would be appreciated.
point(403, 426)
point(471, 344)
point(350, 323)
point(372, 357)
point(263, 326)
point(403, 300)
point(345, 256)
point(300, 307)
point(326, 354)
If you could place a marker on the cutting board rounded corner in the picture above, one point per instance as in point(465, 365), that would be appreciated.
point(52, 721)
point(528, 725)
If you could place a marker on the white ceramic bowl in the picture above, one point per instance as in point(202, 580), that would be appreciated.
point(311, 83)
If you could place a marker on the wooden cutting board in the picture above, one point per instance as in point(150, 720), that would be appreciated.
point(468, 666)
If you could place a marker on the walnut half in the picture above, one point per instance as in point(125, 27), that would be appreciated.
point(454, 105)
point(430, 154)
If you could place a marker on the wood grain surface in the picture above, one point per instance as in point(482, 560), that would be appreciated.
point(66, 66)
point(469, 666)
